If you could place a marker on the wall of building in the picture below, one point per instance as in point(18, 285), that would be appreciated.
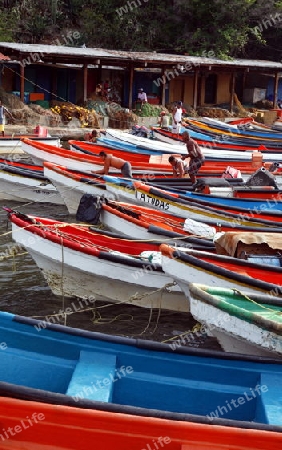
point(181, 88)
point(8, 77)
point(223, 88)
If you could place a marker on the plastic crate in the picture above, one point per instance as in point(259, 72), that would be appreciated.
point(43, 103)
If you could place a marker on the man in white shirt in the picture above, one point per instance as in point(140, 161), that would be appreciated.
point(177, 118)
point(3, 111)
point(142, 96)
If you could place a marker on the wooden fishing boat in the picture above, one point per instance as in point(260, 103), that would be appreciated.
point(249, 130)
point(235, 135)
point(143, 164)
point(81, 262)
point(12, 144)
point(72, 184)
point(241, 322)
point(176, 146)
point(133, 145)
point(76, 160)
point(178, 205)
point(128, 150)
point(140, 222)
point(251, 198)
point(130, 153)
point(50, 363)
point(30, 425)
point(191, 266)
point(21, 182)
point(217, 143)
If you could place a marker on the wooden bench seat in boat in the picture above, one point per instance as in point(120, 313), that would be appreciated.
point(93, 377)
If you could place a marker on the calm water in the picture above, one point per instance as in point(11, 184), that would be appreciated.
point(25, 292)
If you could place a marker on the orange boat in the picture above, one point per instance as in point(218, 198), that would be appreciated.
point(143, 163)
point(28, 425)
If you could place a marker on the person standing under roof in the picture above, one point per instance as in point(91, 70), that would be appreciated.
point(177, 118)
point(3, 111)
point(195, 154)
point(117, 163)
point(142, 96)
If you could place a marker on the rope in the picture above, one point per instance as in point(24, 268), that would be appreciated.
point(2, 258)
point(102, 321)
point(236, 291)
point(62, 281)
point(195, 329)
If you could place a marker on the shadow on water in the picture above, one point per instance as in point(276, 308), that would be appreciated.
point(25, 292)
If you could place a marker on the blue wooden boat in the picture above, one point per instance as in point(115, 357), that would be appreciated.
point(251, 204)
point(50, 363)
point(177, 203)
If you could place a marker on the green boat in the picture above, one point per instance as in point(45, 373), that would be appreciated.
point(242, 322)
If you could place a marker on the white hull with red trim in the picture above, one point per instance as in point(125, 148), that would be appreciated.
point(22, 188)
point(183, 274)
point(38, 157)
point(75, 274)
point(13, 146)
point(71, 190)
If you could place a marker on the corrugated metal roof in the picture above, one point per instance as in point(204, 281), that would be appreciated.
point(81, 53)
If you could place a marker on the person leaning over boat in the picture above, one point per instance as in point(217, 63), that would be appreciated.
point(195, 154)
point(3, 111)
point(117, 163)
point(179, 167)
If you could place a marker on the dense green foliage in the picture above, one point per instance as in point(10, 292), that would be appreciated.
point(233, 28)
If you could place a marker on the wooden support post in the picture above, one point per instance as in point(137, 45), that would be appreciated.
point(275, 90)
point(54, 84)
point(232, 91)
point(85, 77)
point(163, 88)
point(131, 74)
point(22, 82)
point(195, 88)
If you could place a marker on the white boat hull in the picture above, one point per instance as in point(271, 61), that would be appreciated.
point(39, 156)
point(76, 274)
point(14, 146)
point(78, 163)
point(127, 228)
point(177, 209)
point(234, 334)
point(72, 190)
point(183, 274)
point(148, 144)
point(21, 188)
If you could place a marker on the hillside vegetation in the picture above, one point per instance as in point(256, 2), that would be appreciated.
point(237, 28)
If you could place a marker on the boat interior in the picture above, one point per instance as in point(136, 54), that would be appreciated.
point(86, 365)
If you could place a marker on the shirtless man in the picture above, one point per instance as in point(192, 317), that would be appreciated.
point(195, 154)
point(179, 167)
point(117, 163)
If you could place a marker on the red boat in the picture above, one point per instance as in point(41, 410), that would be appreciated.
point(33, 425)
